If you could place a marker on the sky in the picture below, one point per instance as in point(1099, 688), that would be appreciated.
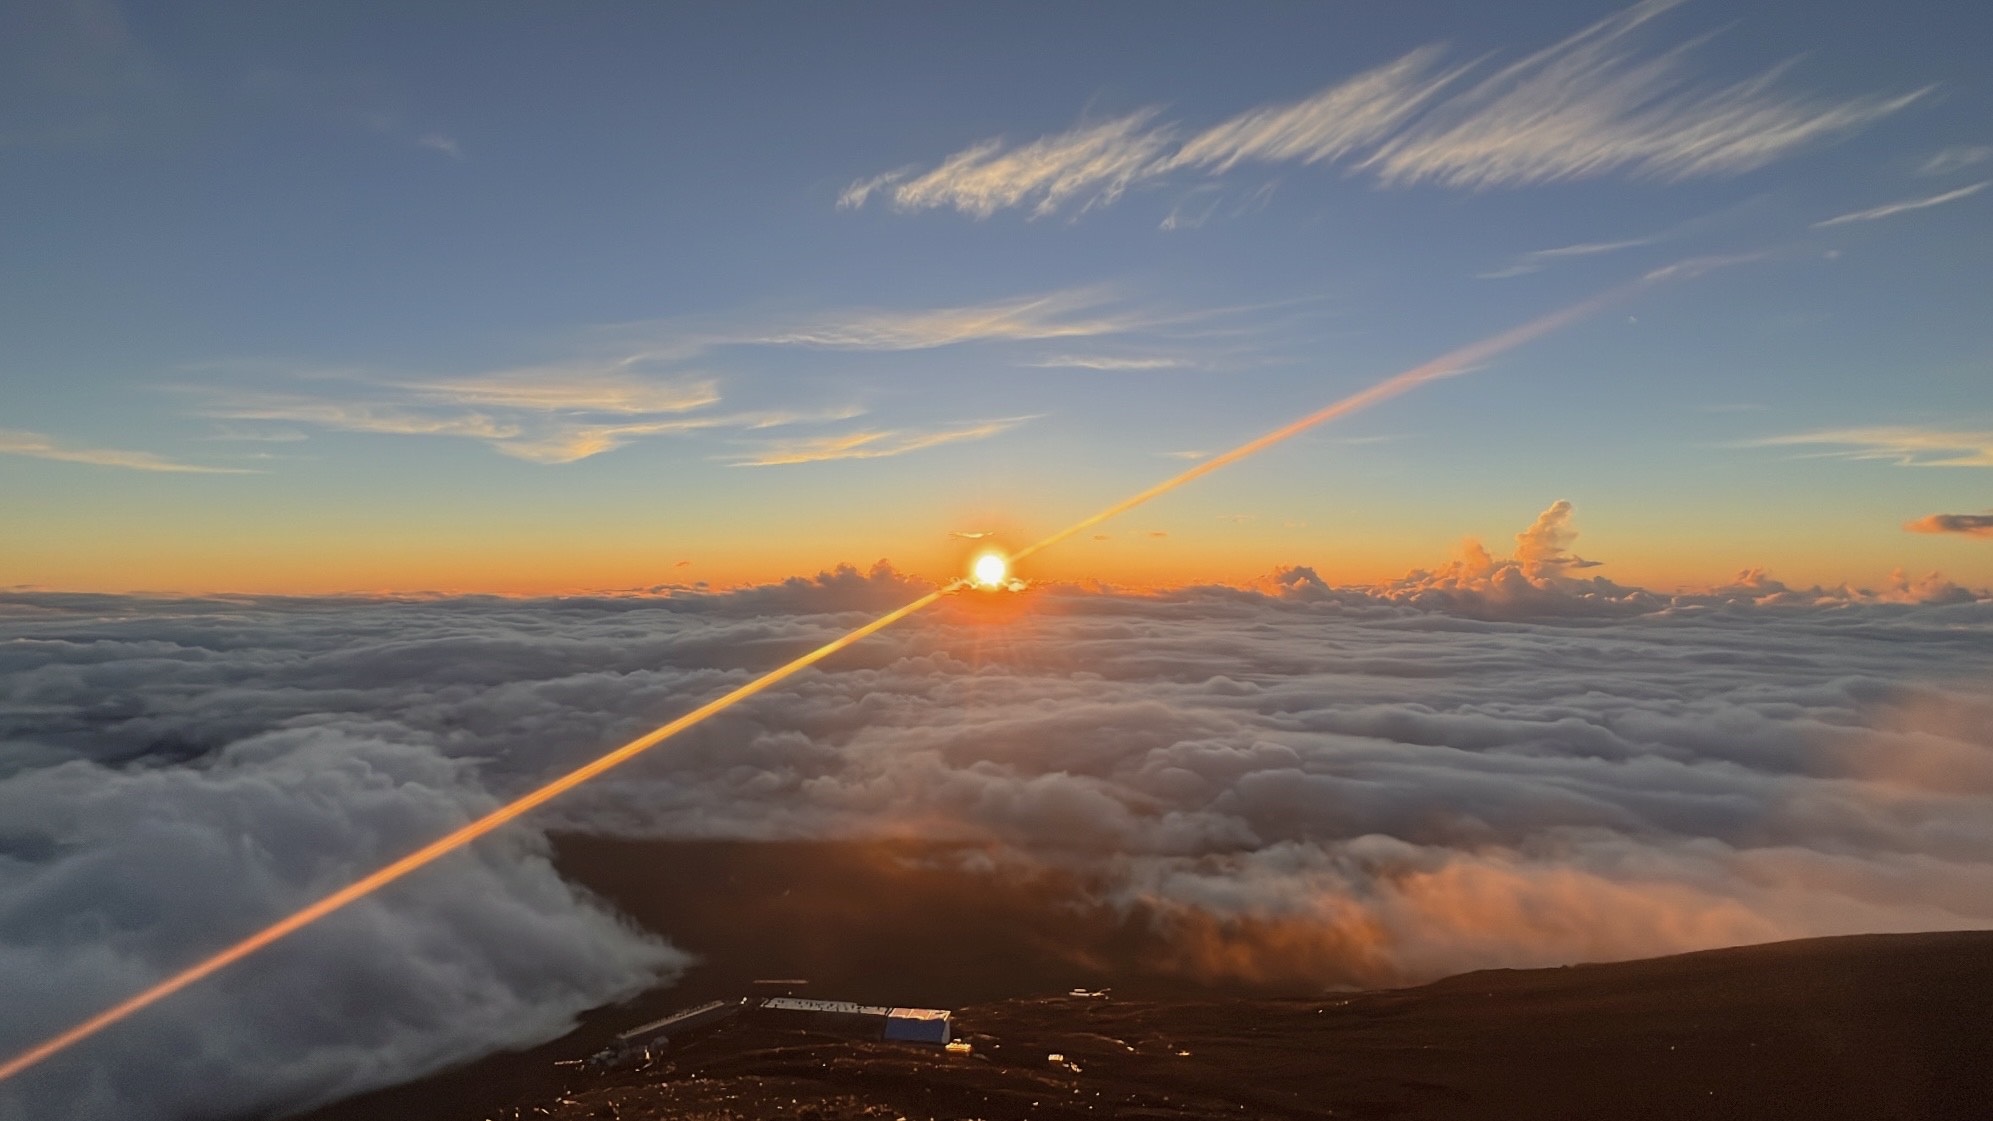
point(509, 298)
point(1649, 616)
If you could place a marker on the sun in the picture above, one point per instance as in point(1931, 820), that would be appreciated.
point(991, 570)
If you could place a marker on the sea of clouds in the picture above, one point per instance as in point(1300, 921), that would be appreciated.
point(1498, 762)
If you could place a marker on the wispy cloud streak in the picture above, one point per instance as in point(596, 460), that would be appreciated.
point(437, 142)
point(544, 439)
point(558, 389)
point(1889, 209)
point(1095, 164)
point(1101, 362)
point(547, 415)
point(1099, 161)
point(1071, 313)
point(1325, 127)
point(1074, 313)
point(877, 444)
point(39, 446)
point(567, 411)
point(1536, 259)
point(1592, 248)
point(1592, 104)
point(1904, 445)
point(1957, 158)
point(639, 379)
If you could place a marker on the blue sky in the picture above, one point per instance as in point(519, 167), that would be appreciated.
point(525, 297)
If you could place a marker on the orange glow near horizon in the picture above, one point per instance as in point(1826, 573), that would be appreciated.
point(1451, 363)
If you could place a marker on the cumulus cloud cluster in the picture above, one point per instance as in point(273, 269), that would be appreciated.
point(1501, 761)
point(1594, 103)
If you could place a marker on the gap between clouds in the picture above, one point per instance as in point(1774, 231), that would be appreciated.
point(1591, 104)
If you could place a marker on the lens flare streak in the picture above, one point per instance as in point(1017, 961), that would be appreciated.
point(1456, 362)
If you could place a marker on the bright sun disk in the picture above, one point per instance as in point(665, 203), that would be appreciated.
point(990, 570)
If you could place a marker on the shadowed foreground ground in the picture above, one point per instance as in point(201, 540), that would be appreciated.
point(1887, 1026)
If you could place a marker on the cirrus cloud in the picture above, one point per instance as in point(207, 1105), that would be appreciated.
point(1904, 206)
point(1592, 104)
point(876, 444)
point(1904, 445)
point(1956, 158)
point(638, 380)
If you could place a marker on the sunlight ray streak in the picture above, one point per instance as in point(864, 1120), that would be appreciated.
point(1455, 362)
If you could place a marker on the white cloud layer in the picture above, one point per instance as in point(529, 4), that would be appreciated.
point(113, 876)
point(1497, 762)
point(1593, 104)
